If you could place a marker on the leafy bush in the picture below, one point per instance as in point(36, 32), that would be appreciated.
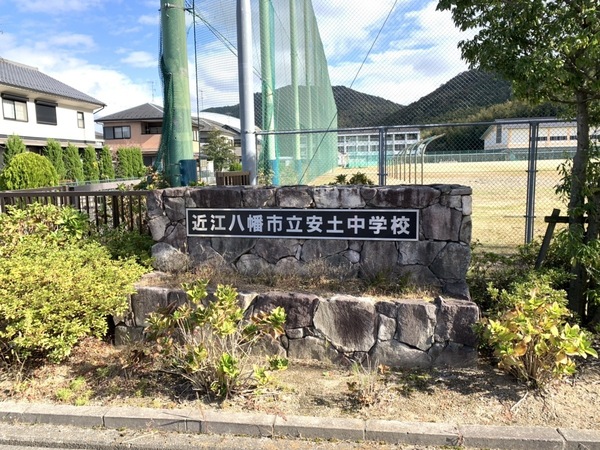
point(531, 336)
point(28, 170)
point(106, 169)
point(357, 178)
point(123, 243)
point(235, 166)
point(57, 287)
point(209, 345)
point(91, 169)
point(14, 146)
point(73, 164)
point(54, 152)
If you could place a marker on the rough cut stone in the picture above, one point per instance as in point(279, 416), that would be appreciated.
point(368, 193)
point(405, 197)
point(457, 289)
point(290, 265)
point(377, 258)
point(299, 308)
point(416, 323)
point(348, 322)
point(295, 333)
point(154, 204)
point(455, 320)
point(467, 205)
point(157, 226)
point(387, 328)
point(201, 252)
point(318, 248)
point(311, 347)
point(217, 197)
point(272, 250)
point(146, 301)
point(395, 354)
point(418, 252)
point(441, 223)
point(294, 197)
point(232, 248)
point(451, 201)
point(175, 208)
point(252, 265)
point(352, 256)
point(166, 258)
point(255, 197)
point(420, 276)
point(176, 236)
point(466, 229)
point(338, 197)
point(389, 309)
point(452, 262)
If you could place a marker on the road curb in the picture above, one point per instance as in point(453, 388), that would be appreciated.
point(196, 421)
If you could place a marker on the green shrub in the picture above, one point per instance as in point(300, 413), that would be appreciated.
point(14, 146)
point(28, 170)
point(56, 285)
point(130, 162)
point(123, 243)
point(208, 343)
point(54, 152)
point(106, 169)
point(73, 165)
point(531, 336)
point(235, 166)
point(91, 170)
point(357, 178)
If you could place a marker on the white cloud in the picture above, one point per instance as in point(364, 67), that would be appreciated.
point(140, 59)
point(78, 41)
point(56, 6)
point(149, 19)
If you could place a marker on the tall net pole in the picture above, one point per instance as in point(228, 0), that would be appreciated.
point(176, 145)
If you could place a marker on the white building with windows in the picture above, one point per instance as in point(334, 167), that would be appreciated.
point(361, 148)
point(37, 107)
point(513, 134)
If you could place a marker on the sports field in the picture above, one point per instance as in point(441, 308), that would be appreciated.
point(499, 195)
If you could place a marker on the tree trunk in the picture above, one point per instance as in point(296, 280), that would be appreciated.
point(577, 286)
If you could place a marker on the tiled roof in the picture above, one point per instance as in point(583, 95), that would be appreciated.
point(147, 111)
point(26, 77)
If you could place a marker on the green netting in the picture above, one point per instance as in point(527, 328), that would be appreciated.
point(291, 73)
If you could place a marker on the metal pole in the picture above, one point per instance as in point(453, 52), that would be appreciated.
point(531, 179)
point(247, 125)
point(295, 93)
point(177, 103)
point(268, 86)
point(382, 156)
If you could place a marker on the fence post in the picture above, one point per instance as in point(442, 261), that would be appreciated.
point(382, 156)
point(531, 180)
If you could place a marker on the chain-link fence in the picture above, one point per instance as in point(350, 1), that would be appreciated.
point(396, 77)
point(513, 174)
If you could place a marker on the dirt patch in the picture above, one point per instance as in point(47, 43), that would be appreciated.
point(99, 374)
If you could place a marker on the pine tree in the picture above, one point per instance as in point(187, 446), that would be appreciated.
point(73, 165)
point(14, 146)
point(54, 153)
point(91, 170)
point(107, 170)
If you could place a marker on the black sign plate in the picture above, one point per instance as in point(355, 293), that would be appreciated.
point(359, 224)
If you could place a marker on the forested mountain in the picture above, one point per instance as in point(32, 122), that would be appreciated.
point(465, 94)
point(355, 109)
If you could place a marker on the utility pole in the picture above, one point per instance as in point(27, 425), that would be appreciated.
point(176, 140)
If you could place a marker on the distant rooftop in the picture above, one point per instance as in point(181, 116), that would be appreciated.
point(26, 77)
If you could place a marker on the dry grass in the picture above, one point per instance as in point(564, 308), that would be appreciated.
point(499, 195)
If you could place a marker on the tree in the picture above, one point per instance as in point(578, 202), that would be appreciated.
point(73, 165)
point(219, 149)
point(54, 152)
point(91, 171)
point(107, 170)
point(28, 170)
point(130, 162)
point(14, 146)
point(550, 50)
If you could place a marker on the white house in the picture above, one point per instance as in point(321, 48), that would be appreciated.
point(36, 107)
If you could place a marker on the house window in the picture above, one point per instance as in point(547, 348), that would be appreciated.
point(498, 134)
point(412, 136)
point(123, 132)
point(80, 120)
point(151, 128)
point(558, 138)
point(196, 135)
point(542, 138)
point(14, 108)
point(45, 112)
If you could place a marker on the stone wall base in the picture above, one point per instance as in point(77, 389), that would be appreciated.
point(404, 333)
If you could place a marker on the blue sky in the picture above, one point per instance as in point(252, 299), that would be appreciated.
point(109, 48)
